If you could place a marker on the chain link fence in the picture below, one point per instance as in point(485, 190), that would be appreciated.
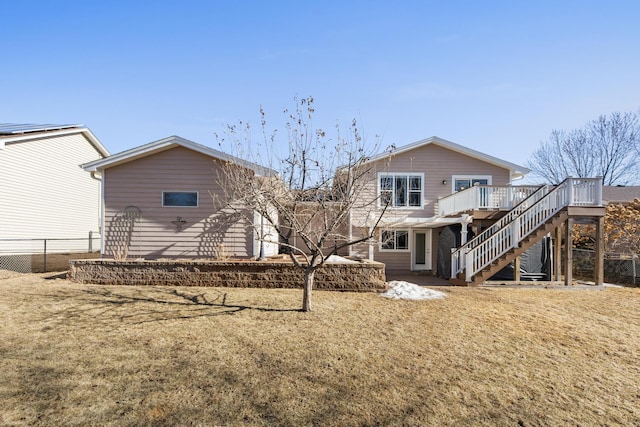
point(42, 255)
point(618, 268)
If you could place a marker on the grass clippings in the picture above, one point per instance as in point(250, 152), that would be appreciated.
point(114, 355)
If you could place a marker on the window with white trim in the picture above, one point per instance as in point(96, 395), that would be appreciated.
point(394, 240)
point(180, 199)
point(462, 182)
point(401, 190)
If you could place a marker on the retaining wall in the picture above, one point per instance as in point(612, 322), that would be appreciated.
point(365, 276)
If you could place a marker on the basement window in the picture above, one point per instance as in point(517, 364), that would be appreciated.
point(394, 240)
point(180, 199)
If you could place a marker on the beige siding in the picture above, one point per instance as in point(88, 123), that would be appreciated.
point(437, 164)
point(400, 260)
point(206, 232)
point(43, 191)
point(311, 217)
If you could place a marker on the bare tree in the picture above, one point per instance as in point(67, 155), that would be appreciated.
point(605, 147)
point(304, 205)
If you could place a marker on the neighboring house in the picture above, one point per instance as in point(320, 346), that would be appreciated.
point(622, 222)
point(44, 194)
point(164, 199)
point(620, 194)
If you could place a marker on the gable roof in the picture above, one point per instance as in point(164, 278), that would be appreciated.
point(517, 171)
point(167, 144)
point(17, 132)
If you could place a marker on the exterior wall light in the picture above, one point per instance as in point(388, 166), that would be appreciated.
point(444, 182)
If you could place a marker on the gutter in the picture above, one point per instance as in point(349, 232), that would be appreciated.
point(94, 175)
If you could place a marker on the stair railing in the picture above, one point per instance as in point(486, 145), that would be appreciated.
point(571, 192)
point(457, 256)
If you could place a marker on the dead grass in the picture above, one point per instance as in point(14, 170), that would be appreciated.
point(104, 355)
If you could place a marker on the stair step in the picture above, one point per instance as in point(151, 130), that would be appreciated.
point(458, 282)
point(544, 229)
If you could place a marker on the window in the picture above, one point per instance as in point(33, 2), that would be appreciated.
point(394, 240)
point(461, 182)
point(180, 198)
point(401, 190)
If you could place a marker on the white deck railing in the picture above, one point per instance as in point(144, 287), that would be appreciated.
point(484, 197)
point(457, 256)
point(485, 249)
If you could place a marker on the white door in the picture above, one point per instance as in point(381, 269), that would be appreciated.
point(421, 250)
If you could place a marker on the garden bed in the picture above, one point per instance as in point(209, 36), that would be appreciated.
point(363, 276)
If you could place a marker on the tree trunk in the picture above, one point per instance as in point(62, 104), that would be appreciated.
point(308, 286)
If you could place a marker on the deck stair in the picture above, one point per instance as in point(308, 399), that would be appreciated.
point(536, 216)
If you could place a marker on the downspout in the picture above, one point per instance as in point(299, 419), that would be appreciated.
point(350, 232)
point(371, 243)
point(100, 178)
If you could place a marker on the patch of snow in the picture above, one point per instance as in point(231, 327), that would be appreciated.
point(338, 259)
point(604, 285)
point(405, 290)
point(611, 285)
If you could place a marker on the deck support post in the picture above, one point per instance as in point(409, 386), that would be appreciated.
point(599, 267)
point(463, 234)
point(557, 255)
point(568, 252)
point(516, 269)
point(466, 219)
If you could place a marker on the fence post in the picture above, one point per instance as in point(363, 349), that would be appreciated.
point(90, 241)
point(633, 263)
point(44, 261)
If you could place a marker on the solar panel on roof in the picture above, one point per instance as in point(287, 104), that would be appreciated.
point(17, 128)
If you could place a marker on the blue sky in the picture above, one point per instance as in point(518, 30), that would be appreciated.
point(496, 76)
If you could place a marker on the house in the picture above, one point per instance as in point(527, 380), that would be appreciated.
point(446, 204)
point(444, 208)
point(620, 194)
point(622, 219)
point(166, 199)
point(413, 179)
point(44, 194)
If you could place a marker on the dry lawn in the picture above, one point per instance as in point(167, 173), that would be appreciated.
point(103, 355)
